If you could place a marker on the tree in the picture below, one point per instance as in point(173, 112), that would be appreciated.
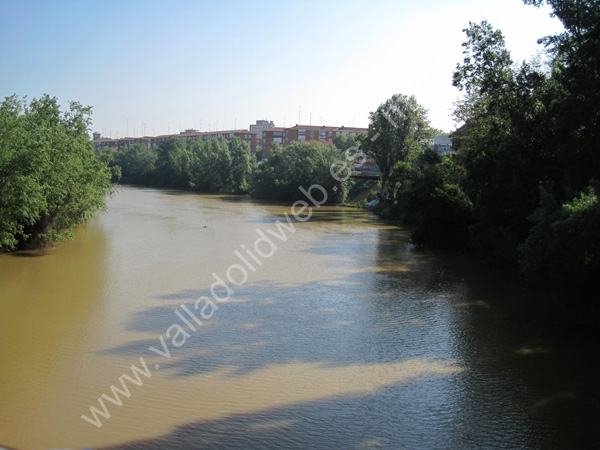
point(173, 165)
point(137, 164)
point(343, 142)
point(575, 100)
point(241, 165)
point(530, 150)
point(399, 130)
point(506, 145)
point(50, 178)
point(431, 197)
point(298, 165)
point(563, 248)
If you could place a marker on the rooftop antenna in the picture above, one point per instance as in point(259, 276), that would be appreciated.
point(299, 111)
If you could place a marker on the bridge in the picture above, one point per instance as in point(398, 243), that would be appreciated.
point(365, 175)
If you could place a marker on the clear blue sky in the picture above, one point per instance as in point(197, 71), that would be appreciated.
point(186, 64)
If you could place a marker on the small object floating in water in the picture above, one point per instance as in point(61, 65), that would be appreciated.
point(205, 226)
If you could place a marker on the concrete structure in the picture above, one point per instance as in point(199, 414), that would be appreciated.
point(261, 125)
point(442, 144)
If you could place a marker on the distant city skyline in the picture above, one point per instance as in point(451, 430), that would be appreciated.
point(151, 68)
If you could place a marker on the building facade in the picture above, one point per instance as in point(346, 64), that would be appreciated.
point(148, 141)
point(442, 144)
point(304, 133)
point(259, 127)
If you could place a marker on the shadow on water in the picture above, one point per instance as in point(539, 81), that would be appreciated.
point(517, 391)
point(270, 323)
point(399, 309)
point(30, 253)
point(392, 420)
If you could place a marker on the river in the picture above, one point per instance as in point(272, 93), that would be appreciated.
point(342, 337)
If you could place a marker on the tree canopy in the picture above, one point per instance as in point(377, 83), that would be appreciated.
point(398, 130)
point(298, 165)
point(50, 178)
point(530, 148)
point(216, 165)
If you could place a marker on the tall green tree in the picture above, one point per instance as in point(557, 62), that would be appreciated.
point(399, 130)
point(50, 178)
point(504, 151)
point(241, 165)
point(173, 165)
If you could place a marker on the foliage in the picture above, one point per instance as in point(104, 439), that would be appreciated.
point(298, 165)
point(137, 163)
point(398, 131)
point(530, 148)
point(431, 197)
point(204, 166)
point(505, 150)
point(50, 178)
point(343, 142)
point(173, 164)
point(563, 248)
point(362, 188)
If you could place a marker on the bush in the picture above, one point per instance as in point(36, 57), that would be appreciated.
point(563, 247)
point(298, 165)
point(50, 178)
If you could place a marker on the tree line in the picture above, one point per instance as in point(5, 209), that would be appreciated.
point(522, 189)
point(216, 165)
point(222, 166)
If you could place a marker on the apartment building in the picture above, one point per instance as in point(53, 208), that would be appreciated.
point(244, 135)
point(259, 127)
point(304, 133)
